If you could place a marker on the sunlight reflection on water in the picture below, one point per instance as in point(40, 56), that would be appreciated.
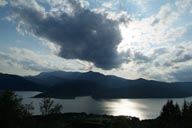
point(124, 107)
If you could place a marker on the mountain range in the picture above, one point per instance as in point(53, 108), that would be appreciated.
point(60, 84)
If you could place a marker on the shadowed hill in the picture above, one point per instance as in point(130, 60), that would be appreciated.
point(17, 83)
point(97, 85)
point(61, 84)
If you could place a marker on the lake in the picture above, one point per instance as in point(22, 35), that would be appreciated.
point(142, 108)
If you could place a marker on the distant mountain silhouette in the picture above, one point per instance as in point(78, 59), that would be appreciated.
point(18, 83)
point(56, 77)
point(61, 84)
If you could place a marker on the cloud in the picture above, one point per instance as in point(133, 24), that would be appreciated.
point(56, 3)
point(168, 63)
point(81, 34)
point(153, 31)
point(183, 5)
point(141, 2)
point(145, 35)
point(55, 49)
point(29, 60)
point(3, 2)
point(190, 12)
point(183, 74)
point(32, 4)
point(182, 53)
point(154, 44)
point(170, 56)
point(166, 15)
point(109, 4)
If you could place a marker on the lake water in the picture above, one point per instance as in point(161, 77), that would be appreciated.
point(142, 108)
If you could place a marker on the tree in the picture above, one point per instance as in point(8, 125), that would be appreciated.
point(187, 114)
point(177, 112)
point(12, 110)
point(185, 109)
point(47, 107)
point(167, 110)
point(170, 116)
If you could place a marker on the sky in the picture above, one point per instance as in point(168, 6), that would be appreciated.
point(133, 39)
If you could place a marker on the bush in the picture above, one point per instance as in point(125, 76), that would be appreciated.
point(47, 107)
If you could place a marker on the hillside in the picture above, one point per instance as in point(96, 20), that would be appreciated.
point(18, 83)
point(61, 84)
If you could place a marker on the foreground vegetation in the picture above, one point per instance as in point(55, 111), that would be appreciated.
point(13, 114)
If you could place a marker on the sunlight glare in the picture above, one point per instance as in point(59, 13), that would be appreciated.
point(129, 36)
point(125, 107)
point(135, 36)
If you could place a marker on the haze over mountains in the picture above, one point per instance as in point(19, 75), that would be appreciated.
point(60, 84)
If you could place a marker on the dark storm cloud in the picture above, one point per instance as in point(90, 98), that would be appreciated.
point(82, 35)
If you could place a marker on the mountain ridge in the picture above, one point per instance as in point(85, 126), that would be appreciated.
point(17, 83)
point(59, 84)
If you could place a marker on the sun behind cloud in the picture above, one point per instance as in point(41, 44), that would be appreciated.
point(131, 39)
